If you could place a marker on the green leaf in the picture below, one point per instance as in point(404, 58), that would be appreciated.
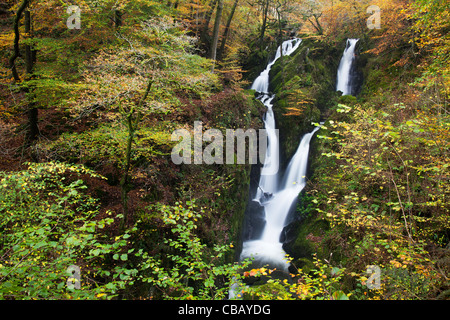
point(339, 295)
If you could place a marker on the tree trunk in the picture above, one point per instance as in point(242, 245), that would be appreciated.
point(32, 113)
point(16, 52)
point(264, 24)
point(117, 18)
point(204, 32)
point(125, 181)
point(316, 24)
point(227, 29)
point(131, 126)
point(215, 39)
point(28, 52)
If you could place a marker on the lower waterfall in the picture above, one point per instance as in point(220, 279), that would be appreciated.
point(276, 193)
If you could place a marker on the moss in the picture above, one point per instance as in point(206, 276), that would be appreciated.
point(242, 110)
point(306, 79)
point(309, 234)
point(347, 100)
point(237, 199)
point(255, 63)
point(305, 264)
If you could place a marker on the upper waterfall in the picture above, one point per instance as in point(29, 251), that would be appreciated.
point(261, 83)
point(344, 71)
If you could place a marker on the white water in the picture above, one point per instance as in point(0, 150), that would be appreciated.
point(268, 181)
point(261, 83)
point(343, 75)
point(269, 177)
point(268, 249)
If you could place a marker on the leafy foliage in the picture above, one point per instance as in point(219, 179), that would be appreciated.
point(388, 197)
point(49, 224)
point(322, 282)
point(196, 271)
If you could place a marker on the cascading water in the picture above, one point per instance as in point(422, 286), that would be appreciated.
point(344, 83)
point(268, 181)
point(268, 248)
point(261, 83)
point(269, 178)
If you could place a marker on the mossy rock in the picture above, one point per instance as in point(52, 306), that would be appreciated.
point(305, 237)
point(307, 77)
point(304, 264)
point(347, 100)
point(292, 129)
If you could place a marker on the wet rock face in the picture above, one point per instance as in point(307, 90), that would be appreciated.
point(356, 74)
point(310, 72)
point(254, 221)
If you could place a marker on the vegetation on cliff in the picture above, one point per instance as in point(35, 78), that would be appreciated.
point(379, 191)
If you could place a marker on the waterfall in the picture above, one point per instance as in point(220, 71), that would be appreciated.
point(261, 83)
point(269, 249)
point(269, 178)
point(268, 181)
point(278, 193)
point(344, 79)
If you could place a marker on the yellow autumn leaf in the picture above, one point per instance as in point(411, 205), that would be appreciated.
point(395, 263)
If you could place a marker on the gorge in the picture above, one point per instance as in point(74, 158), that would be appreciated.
point(279, 188)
